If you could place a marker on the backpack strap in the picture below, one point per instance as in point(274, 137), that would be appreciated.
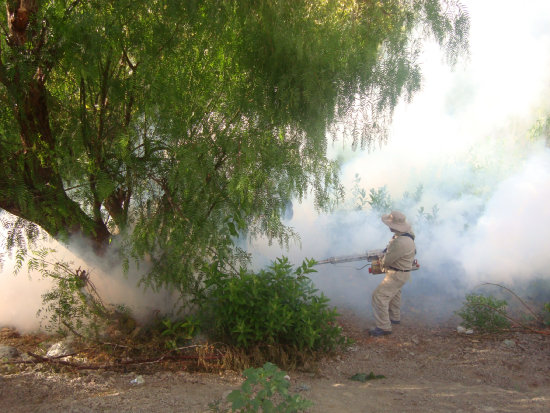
point(406, 234)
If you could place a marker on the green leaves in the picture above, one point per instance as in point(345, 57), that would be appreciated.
point(179, 331)
point(266, 389)
point(484, 313)
point(278, 305)
point(546, 314)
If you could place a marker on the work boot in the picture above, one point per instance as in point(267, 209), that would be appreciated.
point(395, 321)
point(377, 332)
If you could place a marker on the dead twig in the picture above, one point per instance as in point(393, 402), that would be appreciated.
point(114, 366)
point(537, 316)
point(513, 320)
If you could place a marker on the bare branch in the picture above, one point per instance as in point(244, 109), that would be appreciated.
point(513, 320)
point(537, 316)
point(121, 364)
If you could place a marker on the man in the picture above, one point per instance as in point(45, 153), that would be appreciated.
point(397, 263)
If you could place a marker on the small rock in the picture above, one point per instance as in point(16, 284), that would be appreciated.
point(138, 380)
point(509, 343)
point(463, 330)
point(60, 349)
point(287, 377)
point(8, 352)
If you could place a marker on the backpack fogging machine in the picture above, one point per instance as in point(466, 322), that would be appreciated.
point(373, 257)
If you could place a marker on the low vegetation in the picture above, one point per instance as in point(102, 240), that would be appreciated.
point(484, 313)
point(274, 315)
point(267, 390)
point(276, 312)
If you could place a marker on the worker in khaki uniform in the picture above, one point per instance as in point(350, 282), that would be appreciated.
point(397, 262)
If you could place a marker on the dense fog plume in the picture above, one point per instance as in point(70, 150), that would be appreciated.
point(21, 294)
point(510, 241)
point(468, 233)
point(468, 142)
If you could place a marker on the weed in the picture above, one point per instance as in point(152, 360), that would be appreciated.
point(266, 389)
point(380, 200)
point(178, 332)
point(484, 313)
point(359, 194)
point(72, 304)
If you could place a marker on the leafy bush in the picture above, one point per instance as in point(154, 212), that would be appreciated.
point(179, 331)
point(266, 388)
point(72, 304)
point(484, 313)
point(380, 200)
point(278, 305)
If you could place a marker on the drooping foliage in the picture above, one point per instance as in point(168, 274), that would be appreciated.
point(179, 124)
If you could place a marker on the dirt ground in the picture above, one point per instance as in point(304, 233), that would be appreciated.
point(426, 369)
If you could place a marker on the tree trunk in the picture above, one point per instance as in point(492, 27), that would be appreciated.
point(31, 172)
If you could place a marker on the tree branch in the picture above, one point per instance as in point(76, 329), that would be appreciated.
point(70, 9)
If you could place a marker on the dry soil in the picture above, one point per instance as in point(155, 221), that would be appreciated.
point(426, 369)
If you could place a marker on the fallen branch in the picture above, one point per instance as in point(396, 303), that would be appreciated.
point(113, 366)
point(79, 366)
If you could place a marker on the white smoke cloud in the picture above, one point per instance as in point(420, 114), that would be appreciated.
point(21, 293)
point(20, 299)
point(487, 229)
point(465, 138)
point(510, 241)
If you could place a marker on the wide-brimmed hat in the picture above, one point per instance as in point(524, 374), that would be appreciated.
point(397, 221)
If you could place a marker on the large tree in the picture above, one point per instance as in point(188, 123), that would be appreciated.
point(178, 123)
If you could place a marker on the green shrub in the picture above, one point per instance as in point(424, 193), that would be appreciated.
point(276, 306)
point(180, 331)
point(266, 388)
point(484, 313)
point(72, 304)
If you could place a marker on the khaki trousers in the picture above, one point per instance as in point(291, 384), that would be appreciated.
point(386, 299)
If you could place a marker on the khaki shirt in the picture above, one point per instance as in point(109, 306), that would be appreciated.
point(400, 253)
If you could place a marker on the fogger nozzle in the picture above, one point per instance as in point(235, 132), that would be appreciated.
point(372, 256)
